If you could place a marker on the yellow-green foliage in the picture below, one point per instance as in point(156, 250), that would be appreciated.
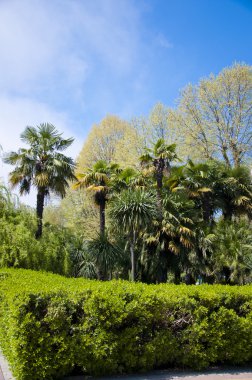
point(51, 326)
point(18, 247)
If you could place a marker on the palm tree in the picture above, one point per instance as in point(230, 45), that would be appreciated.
point(232, 257)
point(215, 188)
point(42, 165)
point(235, 192)
point(199, 182)
point(159, 158)
point(98, 179)
point(169, 241)
point(129, 178)
point(131, 212)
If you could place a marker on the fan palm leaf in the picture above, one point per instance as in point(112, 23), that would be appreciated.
point(41, 165)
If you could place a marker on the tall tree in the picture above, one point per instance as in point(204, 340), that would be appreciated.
point(231, 260)
point(199, 182)
point(111, 140)
point(235, 192)
point(77, 212)
point(153, 127)
point(214, 117)
point(167, 241)
point(98, 180)
point(159, 158)
point(42, 165)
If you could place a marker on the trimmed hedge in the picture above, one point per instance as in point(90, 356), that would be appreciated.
point(51, 326)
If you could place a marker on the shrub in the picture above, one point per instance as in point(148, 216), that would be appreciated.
point(51, 326)
point(18, 247)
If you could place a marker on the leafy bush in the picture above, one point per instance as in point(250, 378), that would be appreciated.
point(51, 326)
point(53, 252)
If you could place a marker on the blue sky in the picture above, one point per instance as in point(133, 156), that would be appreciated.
point(71, 62)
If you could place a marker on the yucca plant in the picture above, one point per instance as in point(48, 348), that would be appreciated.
point(130, 213)
point(104, 254)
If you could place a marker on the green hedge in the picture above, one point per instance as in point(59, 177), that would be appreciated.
point(51, 326)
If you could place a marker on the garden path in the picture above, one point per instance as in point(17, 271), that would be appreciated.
point(215, 374)
point(5, 373)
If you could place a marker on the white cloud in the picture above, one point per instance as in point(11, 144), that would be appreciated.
point(49, 51)
point(28, 44)
point(15, 115)
point(43, 43)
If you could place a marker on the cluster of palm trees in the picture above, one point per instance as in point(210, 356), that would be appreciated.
point(169, 217)
point(159, 222)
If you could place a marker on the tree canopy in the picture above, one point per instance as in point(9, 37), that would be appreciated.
point(214, 117)
point(175, 187)
point(41, 165)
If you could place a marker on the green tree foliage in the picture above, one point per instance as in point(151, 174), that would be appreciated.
point(98, 180)
point(42, 165)
point(183, 223)
point(77, 212)
point(112, 140)
point(154, 127)
point(105, 255)
point(19, 248)
point(167, 243)
point(159, 159)
point(215, 188)
point(231, 260)
point(131, 212)
point(213, 118)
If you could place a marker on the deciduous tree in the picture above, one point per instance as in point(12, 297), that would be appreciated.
point(214, 117)
point(112, 140)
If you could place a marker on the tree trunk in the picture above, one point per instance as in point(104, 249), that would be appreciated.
point(101, 275)
point(227, 274)
point(207, 208)
point(236, 155)
point(228, 213)
point(162, 267)
point(177, 276)
point(102, 216)
point(40, 209)
point(159, 165)
point(225, 156)
point(132, 257)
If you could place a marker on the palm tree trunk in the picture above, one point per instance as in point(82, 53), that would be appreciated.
point(40, 209)
point(177, 276)
point(159, 178)
point(132, 256)
point(207, 208)
point(101, 276)
point(162, 268)
point(102, 216)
